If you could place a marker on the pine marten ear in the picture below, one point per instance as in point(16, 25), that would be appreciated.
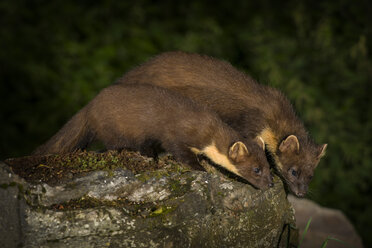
point(290, 144)
point(322, 150)
point(238, 151)
point(260, 142)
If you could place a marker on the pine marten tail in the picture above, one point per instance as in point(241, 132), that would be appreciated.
point(73, 135)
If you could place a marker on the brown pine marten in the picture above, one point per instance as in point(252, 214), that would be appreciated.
point(128, 116)
point(254, 110)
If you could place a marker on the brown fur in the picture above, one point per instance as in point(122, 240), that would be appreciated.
point(129, 116)
point(250, 108)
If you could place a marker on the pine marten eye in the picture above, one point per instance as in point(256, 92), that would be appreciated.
point(294, 172)
point(257, 170)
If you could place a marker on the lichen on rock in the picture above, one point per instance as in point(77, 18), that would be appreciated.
point(138, 202)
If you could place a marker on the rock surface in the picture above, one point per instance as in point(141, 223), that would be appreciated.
point(325, 222)
point(167, 207)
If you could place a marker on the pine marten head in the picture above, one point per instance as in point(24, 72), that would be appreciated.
point(246, 160)
point(251, 164)
point(296, 163)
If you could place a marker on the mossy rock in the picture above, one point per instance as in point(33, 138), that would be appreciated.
point(137, 202)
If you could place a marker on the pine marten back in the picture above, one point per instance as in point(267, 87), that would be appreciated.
point(127, 116)
point(254, 110)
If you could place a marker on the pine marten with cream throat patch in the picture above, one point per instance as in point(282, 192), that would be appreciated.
point(127, 116)
point(252, 109)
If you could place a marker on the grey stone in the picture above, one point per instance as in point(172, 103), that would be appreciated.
point(325, 222)
point(165, 208)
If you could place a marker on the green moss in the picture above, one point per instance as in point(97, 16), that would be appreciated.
point(53, 168)
point(157, 174)
point(177, 188)
point(177, 167)
point(7, 185)
point(4, 186)
point(162, 210)
point(127, 207)
point(20, 188)
point(143, 177)
point(175, 185)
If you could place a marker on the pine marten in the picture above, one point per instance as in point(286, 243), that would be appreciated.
point(254, 110)
point(127, 116)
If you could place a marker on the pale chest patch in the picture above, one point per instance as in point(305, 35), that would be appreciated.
point(270, 139)
point(271, 142)
point(217, 157)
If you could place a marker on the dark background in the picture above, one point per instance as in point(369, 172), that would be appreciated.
point(57, 55)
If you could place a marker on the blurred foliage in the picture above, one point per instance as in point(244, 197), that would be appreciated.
point(56, 55)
